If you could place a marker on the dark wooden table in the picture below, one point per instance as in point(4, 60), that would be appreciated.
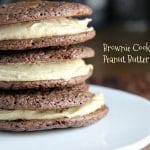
point(134, 78)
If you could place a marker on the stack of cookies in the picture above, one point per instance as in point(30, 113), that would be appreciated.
point(42, 71)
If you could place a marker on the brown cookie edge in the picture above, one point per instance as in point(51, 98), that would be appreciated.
point(45, 99)
point(64, 40)
point(33, 125)
point(48, 54)
point(20, 85)
point(26, 11)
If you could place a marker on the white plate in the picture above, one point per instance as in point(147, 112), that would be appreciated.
point(126, 127)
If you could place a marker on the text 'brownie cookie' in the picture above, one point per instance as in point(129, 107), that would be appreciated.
point(36, 24)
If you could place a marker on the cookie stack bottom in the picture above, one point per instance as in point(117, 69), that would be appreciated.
point(70, 107)
point(46, 89)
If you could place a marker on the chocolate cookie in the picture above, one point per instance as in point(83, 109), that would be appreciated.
point(30, 25)
point(25, 11)
point(32, 125)
point(20, 85)
point(47, 54)
point(63, 40)
point(44, 99)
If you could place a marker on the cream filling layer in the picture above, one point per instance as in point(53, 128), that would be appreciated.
point(44, 28)
point(44, 70)
point(91, 106)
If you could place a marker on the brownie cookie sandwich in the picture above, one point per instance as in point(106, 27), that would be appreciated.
point(29, 105)
point(36, 24)
point(42, 73)
point(47, 109)
point(44, 68)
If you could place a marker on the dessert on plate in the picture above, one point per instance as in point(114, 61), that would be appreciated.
point(42, 71)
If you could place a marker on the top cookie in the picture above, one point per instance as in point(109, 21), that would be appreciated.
point(25, 11)
point(38, 24)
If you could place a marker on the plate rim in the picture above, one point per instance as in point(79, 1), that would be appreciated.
point(141, 143)
point(119, 90)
